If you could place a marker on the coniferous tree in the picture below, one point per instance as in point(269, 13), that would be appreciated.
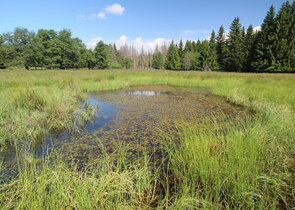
point(181, 52)
point(188, 46)
point(194, 46)
point(291, 39)
point(279, 39)
point(221, 48)
point(212, 60)
point(263, 55)
point(249, 45)
point(158, 60)
point(172, 59)
point(235, 55)
point(204, 51)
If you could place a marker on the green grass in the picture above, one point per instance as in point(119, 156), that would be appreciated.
point(249, 166)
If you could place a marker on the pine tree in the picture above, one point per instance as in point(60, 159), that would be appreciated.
point(172, 58)
point(221, 48)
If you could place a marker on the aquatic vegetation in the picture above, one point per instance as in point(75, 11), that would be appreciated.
point(141, 116)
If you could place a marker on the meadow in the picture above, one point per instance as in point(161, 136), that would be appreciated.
point(251, 165)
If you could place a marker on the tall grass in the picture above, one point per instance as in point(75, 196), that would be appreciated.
point(249, 165)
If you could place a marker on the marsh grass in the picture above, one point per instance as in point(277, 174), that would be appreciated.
point(249, 166)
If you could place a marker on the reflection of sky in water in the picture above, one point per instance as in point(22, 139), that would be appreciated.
point(104, 116)
point(145, 93)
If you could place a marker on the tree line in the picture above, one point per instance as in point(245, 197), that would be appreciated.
point(270, 49)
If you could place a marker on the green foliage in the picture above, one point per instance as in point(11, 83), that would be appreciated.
point(188, 61)
point(33, 53)
point(172, 58)
point(181, 52)
point(221, 48)
point(235, 56)
point(263, 57)
point(90, 59)
point(128, 63)
point(212, 57)
point(249, 48)
point(291, 39)
point(4, 53)
point(102, 56)
point(279, 39)
point(158, 60)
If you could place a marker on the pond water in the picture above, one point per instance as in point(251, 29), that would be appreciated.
point(135, 118)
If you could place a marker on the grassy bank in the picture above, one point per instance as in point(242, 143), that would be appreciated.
point(249, 166)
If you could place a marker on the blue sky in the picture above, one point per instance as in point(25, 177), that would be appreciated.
point(132, 21)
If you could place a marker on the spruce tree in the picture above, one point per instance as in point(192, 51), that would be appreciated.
point(212, 60)
point(279, 39)
point(188, 46)
point(221, 48)
point(263, 54)
point(158, 60)
point(291, 39)
point(172, 58)
point(235, 55)
point(181, 52)
point(249, 45)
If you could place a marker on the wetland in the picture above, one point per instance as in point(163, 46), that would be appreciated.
point(135, 118)
point(152, 139)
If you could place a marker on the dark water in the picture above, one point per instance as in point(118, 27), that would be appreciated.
point(134, 118)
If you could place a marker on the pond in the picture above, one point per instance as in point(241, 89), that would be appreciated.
point(135, 118)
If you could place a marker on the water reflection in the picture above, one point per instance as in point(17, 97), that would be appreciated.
point(145, 93)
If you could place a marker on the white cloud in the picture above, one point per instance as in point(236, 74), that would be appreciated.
point(93, 42)
point(92, 16)
point(81, 16)
point(138, 43)
point(116, 9)
point(122, 41)
point(256, 29)
point(101, 15)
